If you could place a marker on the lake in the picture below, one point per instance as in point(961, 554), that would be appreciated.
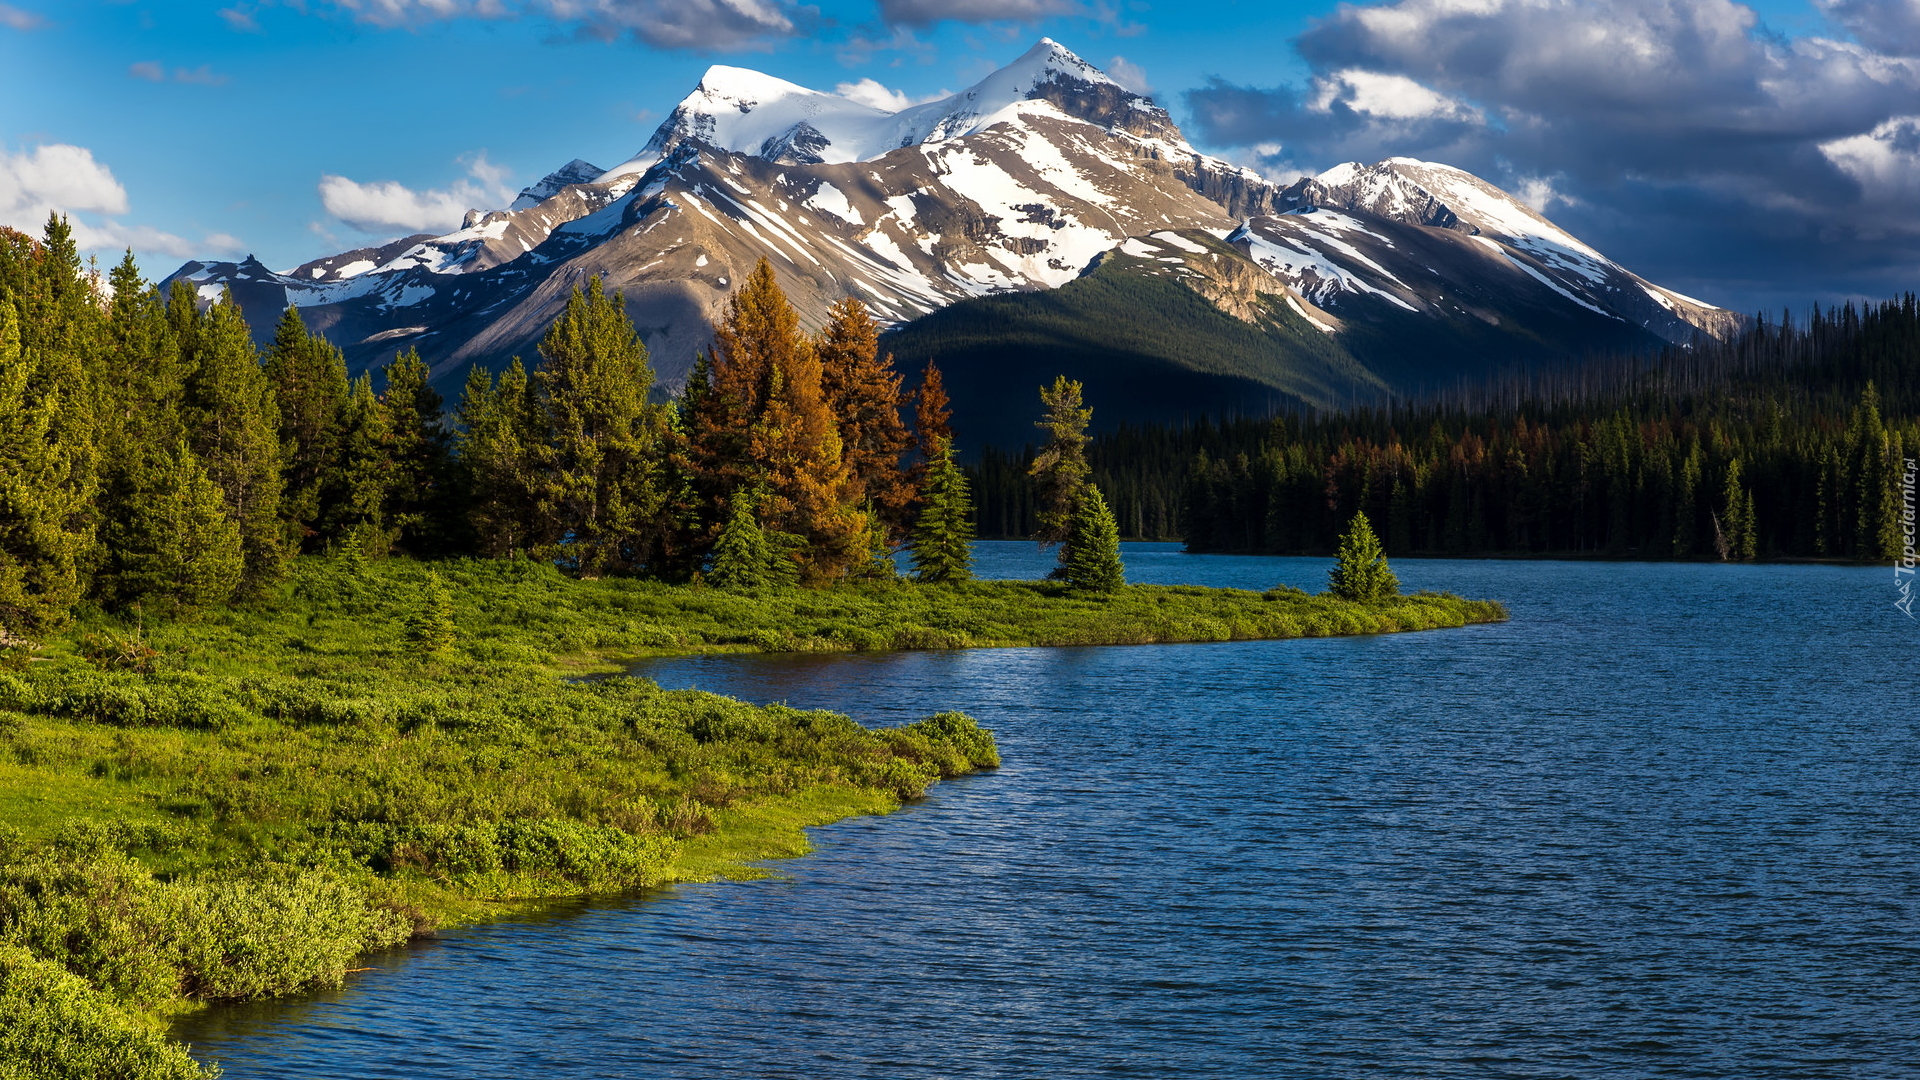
point(1662, 823)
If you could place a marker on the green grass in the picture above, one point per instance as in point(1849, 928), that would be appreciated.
point(238, 806)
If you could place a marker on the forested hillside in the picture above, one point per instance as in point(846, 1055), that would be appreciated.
point(1785, 441)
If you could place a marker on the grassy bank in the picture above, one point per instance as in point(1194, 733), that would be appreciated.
point(238, 806)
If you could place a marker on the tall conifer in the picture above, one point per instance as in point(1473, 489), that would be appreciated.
point(599, 486)
point(942, 543)
point(863, 393)
point(497, 444)
point(1060, 468)
point(1090, 558)
point(44, 496)
point(419, 448)
point(232, 425)
point(309, 379)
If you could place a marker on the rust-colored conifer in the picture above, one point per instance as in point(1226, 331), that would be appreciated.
point(863, 393)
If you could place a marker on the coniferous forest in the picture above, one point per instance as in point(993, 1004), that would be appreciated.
point(154, 460)
point(1786, 441)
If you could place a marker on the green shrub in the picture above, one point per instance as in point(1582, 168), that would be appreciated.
point(53, 1026)
point(276, 932)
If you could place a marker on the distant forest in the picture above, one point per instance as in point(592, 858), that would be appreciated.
point(1784, 441)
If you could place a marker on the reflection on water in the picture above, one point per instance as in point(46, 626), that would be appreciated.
point(1662, 823)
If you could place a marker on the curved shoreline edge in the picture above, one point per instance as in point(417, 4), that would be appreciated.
point(268, 793)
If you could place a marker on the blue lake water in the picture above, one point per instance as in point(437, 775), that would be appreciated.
point(1663, 823)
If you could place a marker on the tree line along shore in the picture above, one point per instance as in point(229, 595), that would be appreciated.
point(293, 670)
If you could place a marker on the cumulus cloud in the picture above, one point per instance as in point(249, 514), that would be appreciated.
point(1129, 74)
point(388, 206)
point(872, 92)
point(58, 178)
point(927, 12)
point(15, 19)
point(667, 24)
point(1672, 129)
point(1892, 26)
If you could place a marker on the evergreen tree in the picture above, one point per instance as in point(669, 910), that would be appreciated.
point(1091, 555)
point(862, 392)
point(359, 487)
point(232, 425)
point(742, 558)
point(309, 380)
point(598, 489)
point(932, 419)
point(809, 490)
point(1735, 525)
point(1361, 572)
point(497, 455)
point(419, 450)
point(430, 629)
point(172, 549)
point(45, 491)
point(942, 542)
point(1060, 468)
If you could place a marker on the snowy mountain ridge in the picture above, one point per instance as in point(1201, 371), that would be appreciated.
point(1024, 181)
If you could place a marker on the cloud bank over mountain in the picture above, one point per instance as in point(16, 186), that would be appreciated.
point(1684, 132)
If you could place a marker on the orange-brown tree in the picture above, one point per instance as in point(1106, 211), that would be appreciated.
point(863, 393)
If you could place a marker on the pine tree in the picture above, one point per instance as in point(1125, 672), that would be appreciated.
point(1736, 524)
point(232, 425)
point(1060, 468)
point(1361, 572)
point(419, 450)
point(742, 558)
point(497, 455)
point(173, 549)
point(942, 542)
point(598, 485)
point(357, 493)
point(1091, 555)
point(809, 491)
point(862, 392)
point(309, 380)
point(45, 491)
point(430, 629)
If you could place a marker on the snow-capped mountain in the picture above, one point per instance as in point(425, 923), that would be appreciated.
point(1025, 181)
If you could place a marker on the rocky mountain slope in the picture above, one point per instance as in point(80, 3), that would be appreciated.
point(1045, 173)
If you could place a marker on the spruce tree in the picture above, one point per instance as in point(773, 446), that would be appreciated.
point(430, 629)
point(419, 451)
point(1736, 523)
point(1060, 468)
point(309, 380)
point(932, 422)
point(1360, 572)
point(862, 393)
point(598, 480)
point(942, 543)
point(360, 484)
point(497, 445)
point(233, 428)
point(45, 493)
point(742, 558)
point(1091, 555)
point(172, 549)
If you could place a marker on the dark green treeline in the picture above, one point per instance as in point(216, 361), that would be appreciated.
point(152, 458)
point(1785, 441)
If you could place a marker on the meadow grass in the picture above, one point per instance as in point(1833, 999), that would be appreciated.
point(238, 806)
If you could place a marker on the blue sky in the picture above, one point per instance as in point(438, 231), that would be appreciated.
point(1754, 155)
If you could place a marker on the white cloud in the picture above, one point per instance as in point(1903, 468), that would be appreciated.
point(149, 70)
point(1387, 96)
point(58, 178)
point(666, 24)
point(1885, 162)
point(1129, 74)
point(871, 92)
point(15, 19)
point(387, 206)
